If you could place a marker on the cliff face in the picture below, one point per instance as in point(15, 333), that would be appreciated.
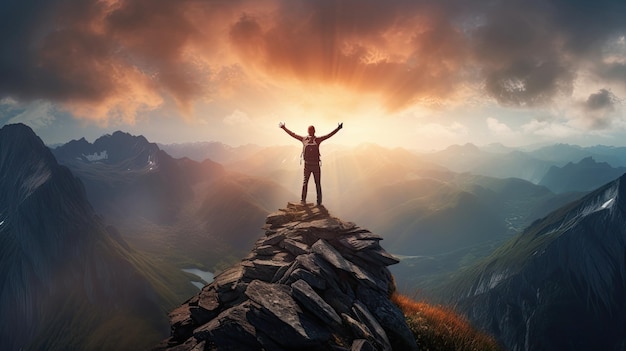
point(313, 282)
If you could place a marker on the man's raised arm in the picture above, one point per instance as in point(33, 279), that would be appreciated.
point(294, 135)
point(322, 138)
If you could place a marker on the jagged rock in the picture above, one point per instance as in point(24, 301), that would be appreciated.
point(372, 324)
point(312, 279)
point(281, 318)
point(331, 255)
point(262, 269)
point(379, 256)
point(229, 283)
point(312, 282)
point(182, 324)
point(359, 329)
point(358, 243)
point(362, 345)
point(266, 250)
point(389, 317)
point(273, 239)
point(295, 247)
point(230, 330)
point(208, 299)
point(307, 297)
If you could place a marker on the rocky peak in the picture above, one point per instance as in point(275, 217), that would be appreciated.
point(560, 284)
point(312, 282)
point(118, 148)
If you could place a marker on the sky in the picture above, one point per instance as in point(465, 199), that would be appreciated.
point(419, 74)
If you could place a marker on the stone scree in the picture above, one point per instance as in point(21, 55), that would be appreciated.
point(313, 282)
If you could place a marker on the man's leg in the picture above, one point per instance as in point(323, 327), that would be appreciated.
point(317, 176)
point(305, 183)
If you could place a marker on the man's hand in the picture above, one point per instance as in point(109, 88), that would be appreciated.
point(340, 125)
point(281, 125)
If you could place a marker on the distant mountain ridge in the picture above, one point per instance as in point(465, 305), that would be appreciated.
point(111, 148)
point(585, 175)
point(531, 165)
point(65, 278)
point(126, 174)
point(560, 284)
point(213, 150)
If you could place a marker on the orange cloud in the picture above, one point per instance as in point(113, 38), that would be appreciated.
point(108, 59)
point(407, 59)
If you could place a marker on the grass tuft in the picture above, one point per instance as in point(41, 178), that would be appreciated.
point(438, 328)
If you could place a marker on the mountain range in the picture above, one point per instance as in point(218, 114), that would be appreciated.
point(585, 175)
point(532, 165)
point(94, 235)
point(127, 177)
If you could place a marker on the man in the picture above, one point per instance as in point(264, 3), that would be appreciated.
point(311, 156)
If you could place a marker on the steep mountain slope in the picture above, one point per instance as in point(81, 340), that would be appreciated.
point(560, 285)
point(67, 282)
point(585, 175)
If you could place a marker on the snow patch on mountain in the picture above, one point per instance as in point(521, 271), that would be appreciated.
point(608, 204)
point(603, 201)
point(97, 156)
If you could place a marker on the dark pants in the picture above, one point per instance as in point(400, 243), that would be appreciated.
point(317, 173)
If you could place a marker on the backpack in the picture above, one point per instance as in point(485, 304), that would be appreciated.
point(310, 150)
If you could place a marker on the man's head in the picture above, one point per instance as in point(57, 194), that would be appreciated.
point(311, 130)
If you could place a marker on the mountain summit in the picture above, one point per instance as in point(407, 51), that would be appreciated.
point(561, 284)
point(313, 282)
point(126, 177)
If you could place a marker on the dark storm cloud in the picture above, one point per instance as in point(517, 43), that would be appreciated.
point(521, 52)
point(602, 100)
point(20, 25)
point(95, 52)
point(530, 51)
point(613, 72)
point(599, 108)
point(525, 53)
